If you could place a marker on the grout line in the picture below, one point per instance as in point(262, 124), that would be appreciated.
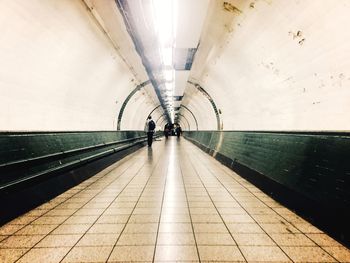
point(247, 211)
point(193, 168)
point(161, 211)
point(105, 208)
point(153, 169)
point(84, 189)
point(282, 216)
point(291, 223)
point(45, 235)
point(189, 211)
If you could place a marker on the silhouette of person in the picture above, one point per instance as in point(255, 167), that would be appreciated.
point(166, 130)
point(178, 131)
point(150, 127)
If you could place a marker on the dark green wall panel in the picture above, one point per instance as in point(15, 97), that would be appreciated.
point(26, 155)
point(314, 165)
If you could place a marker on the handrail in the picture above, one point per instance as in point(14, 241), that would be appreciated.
point(43, 157)
point(38, 176)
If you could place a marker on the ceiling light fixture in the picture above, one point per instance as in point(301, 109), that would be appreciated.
point(164, 19)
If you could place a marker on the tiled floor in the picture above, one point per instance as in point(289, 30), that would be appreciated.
point(172, 203)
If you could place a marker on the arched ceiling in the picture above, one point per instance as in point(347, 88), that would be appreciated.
point(236, 65)
point(275, 65)
point(69, 65)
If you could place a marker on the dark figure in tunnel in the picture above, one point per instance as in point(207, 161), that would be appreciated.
point(178, 131)
point(166, 130)
point(150, 127)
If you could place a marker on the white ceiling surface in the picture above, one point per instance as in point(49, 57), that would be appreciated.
point(181, 77)
point(191, 15)
point(60, 71)
point(264, 75)
point(268, 65)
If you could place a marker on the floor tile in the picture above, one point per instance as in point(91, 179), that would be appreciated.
point(9, 255)
point(308, 254)
point(203, 211)
point(108, 219)
point(10, 229)
point(324, 240)
point(340, 253)
point(176, 253)
point(88, 254)
point(21, 241)
point(206, 219)
point(307, 228)
point(89, 211)
point(268, 218)
point(71, 229)
point(46, 255)
point(59, 241)
point(137, 239)
point(292, 240)
point(214, 239)
point(264, 254)
point(176, 239)
point(23, 220)
point(141, 228)
point(90, 240)
point(209, 228)
point(253, 239)
point(244, 218)
point(81, 220)
point(36, 230)
point(132, 253)
point(175, 218)
point(49, 220)
point(61, 212)
point(279, 228)
point(144, 219)
point(175, 228)
point(244, 228)
point(220, 253)
point(106, 229)
point(231, 211)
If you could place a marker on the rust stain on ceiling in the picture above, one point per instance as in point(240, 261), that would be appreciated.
point(231, 8)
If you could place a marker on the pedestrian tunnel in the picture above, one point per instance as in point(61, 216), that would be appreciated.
point(259, 88)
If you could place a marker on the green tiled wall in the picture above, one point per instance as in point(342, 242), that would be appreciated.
point(315, 165)
point(26, 155)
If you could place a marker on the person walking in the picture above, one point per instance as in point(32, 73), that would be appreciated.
point(150, 127)
point(166, 130)
point(178, 131)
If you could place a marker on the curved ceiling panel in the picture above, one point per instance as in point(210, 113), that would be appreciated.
point(267, 65)
point(64, 68)
point(271, 65)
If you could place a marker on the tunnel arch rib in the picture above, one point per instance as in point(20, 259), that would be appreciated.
point(207, 95)
point(188, 124)
point(128, 98)
point(194, 117)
